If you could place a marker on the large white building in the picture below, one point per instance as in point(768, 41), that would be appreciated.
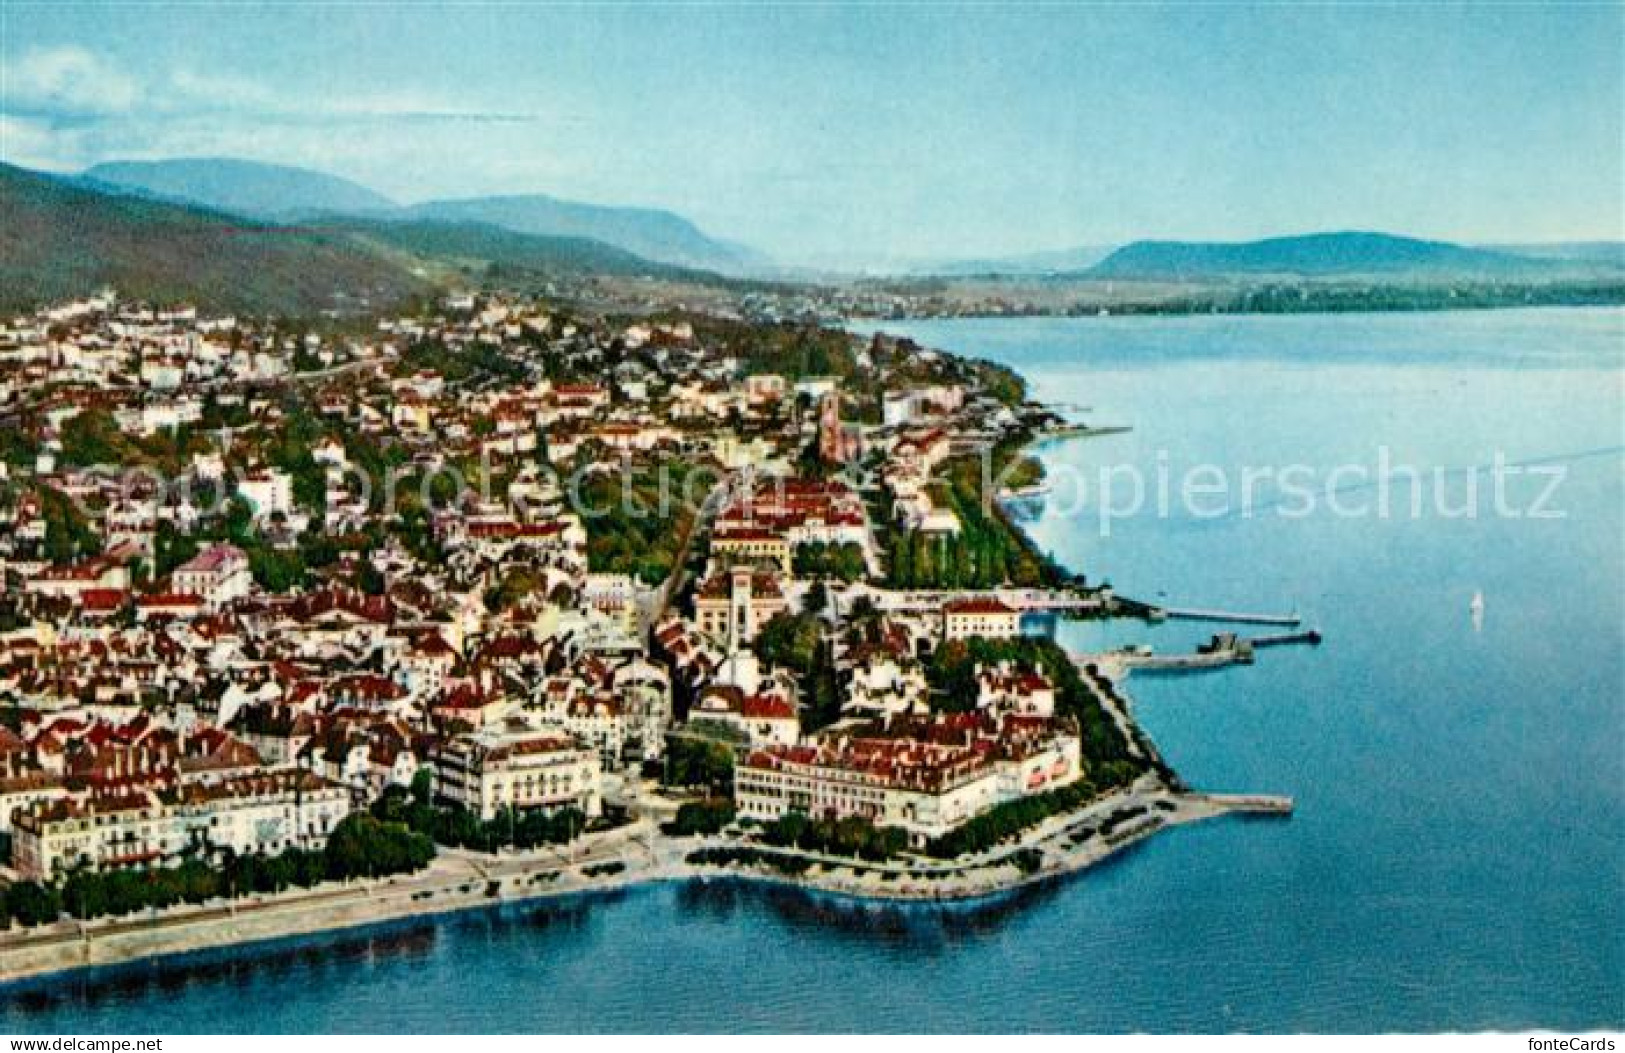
point(267, 812)
point(101, 574)
point(764, 718)
point(614, 598)
point(924, 776)
point(269, 491)
point(801, 511)
point(514, 765)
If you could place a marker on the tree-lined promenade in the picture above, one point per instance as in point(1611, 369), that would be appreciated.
point(360, 847)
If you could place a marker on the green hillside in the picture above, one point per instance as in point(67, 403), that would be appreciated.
point(284, 193)
point(483, 243)
point(1312, 255)
point(59, 240)
point(243, 188)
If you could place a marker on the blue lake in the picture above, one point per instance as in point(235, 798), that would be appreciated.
point(1457, 858)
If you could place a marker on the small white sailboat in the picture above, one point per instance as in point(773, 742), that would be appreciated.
point(1477, 609)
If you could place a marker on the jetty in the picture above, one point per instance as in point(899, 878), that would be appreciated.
point(1128, 661)
point(1224, 649)
point(1082, 431)
point(1256, 803)
point(1308, 636)
point(1189, 614)
point(1133, 608)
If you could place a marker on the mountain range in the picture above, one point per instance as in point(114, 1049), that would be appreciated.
point(284, 194)
point(63, 237)
point(653, 234)
point(1342, 254)
point(244, 188)
point(1056, 261)
point(269, 238)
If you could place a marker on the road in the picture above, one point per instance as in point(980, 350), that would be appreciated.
point(673, 585)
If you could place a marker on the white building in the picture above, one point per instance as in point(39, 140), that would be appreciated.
point(268, 812)
point(922, 789)
point(218, 574)
point(761, 719)
point(734, 606)
point(1008, 690)
point(269, 491)
point(517, 766)
point(986, 616)
point(924, 776)
point(598, 721)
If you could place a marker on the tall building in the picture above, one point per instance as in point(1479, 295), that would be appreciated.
point(733, 606)
point(836, 444)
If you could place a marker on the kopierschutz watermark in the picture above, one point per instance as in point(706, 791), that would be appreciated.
point(1382, 488)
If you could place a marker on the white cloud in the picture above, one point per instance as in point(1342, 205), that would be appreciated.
point(72, 83)
point(64, 109)
point(67, 81)
point(434, 158)
point(188, 90)
point(32, 143)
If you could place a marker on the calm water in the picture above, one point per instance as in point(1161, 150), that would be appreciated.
point(1457, 860)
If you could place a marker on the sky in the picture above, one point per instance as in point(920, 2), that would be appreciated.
point(853, 134)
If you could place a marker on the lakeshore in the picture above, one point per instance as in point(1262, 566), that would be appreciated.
point(617, 859)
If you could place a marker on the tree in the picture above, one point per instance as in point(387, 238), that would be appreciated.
point(701, 817)
point(171, 548)
point(787, 830)
point(93, 437)
point(816, 600)
point(84, 895)
point(695, 761)
point(790, 640)
point(362, 846)
point(902, 560)
point(369, 579)
point(32, 903)
point(239, 520)
point(961, 573)
point(68, 534)
point(423, 786)
point(275, 570)
point(863, 611)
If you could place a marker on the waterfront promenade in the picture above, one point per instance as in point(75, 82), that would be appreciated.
point(634, 854)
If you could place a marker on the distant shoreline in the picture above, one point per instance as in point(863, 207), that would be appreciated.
point(1147, 311)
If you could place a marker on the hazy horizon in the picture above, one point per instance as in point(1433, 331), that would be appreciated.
point(873, 135)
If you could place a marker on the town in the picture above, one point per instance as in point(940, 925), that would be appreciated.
point(499, 580)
